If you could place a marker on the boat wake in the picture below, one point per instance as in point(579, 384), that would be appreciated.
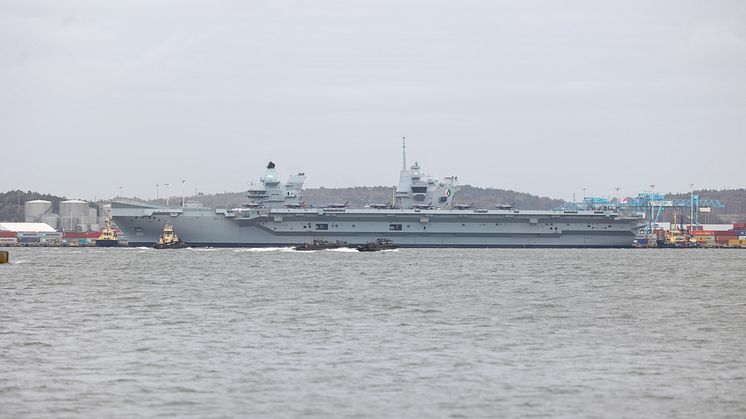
point(343, 250)
point(265, 249)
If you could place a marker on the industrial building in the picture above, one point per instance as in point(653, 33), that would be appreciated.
point(74, 215)
point(29, 233)
point(8, 238)
point(41, 234)
point(40, 211)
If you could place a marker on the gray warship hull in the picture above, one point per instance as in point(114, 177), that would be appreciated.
point(142, 223)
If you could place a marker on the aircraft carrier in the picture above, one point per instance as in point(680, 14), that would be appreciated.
point(421, 214)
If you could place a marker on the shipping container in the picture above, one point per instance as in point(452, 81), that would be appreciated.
point(703, 233)
point(737, 243)
point(5, 233)
point(739, 226)
point(732, 233)
point(74, 235)
point(741, 232)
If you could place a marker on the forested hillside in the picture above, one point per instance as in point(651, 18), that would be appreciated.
point(733, 199)
point(359, 196)
point(11, 203)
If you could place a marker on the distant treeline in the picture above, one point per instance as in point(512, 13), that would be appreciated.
point(359, 196)
point(11, 204)
point(734, 200)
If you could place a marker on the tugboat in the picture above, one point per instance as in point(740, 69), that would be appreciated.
point(108, 237)
point(379, 244)
point(169, 239)
point(318, 244)
point(677, 236)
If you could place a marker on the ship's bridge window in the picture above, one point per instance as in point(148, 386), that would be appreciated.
point(322, 226)
point(419, 189)
point(395, 227)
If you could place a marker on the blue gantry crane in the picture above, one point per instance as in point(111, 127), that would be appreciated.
point(652, 204)
point(649, 203)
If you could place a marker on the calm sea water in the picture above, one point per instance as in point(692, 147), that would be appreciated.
point(407, 333)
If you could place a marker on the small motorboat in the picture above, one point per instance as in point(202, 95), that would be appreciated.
point(317, 244)
point(169, 239)
point(379, 244)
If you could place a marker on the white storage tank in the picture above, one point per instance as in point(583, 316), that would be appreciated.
point(33, 210)
point(72, 214)
point(51, 219)
point(92, 216)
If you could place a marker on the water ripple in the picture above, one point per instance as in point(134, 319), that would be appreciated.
point(272, 332)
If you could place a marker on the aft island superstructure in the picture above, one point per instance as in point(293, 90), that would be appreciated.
point(421, 215)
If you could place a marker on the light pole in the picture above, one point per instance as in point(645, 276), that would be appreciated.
point(652, 206)
point(183, 192)
point(169, 195)
point(156, 191)
point(691, 206)
point(120, 191)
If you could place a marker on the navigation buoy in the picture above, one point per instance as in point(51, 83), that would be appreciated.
point(4, 256)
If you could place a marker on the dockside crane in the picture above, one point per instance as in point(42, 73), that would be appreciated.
point(653, 204)
point(649, 203)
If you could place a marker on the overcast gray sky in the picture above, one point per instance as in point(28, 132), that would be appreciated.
point(545, 97)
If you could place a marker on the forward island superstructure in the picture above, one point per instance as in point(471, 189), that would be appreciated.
point(422, 215)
